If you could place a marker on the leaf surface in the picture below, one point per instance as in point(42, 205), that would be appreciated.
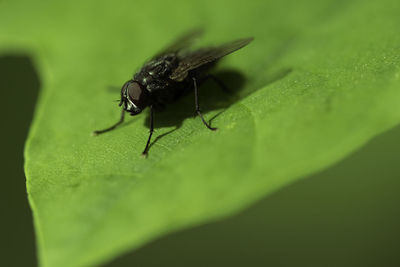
point(318, 82)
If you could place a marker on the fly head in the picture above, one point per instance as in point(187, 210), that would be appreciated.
point(134, 97)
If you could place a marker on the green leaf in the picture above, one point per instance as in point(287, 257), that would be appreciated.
point(322, 78)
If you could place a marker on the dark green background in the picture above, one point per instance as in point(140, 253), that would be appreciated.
point(347, 215)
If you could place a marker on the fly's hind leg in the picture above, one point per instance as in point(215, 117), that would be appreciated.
point(196, 102)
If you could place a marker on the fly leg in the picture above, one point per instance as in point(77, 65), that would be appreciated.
point(121, 120)
point(144, 153)
point(196, 102)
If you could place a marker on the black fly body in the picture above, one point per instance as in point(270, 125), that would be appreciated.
point(168, 75)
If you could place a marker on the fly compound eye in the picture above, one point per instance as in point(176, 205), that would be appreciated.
point(137, 96)
point(134, 92)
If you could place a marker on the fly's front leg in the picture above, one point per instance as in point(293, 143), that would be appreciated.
point(121, 120)
point(196, 102)
point(146, 149)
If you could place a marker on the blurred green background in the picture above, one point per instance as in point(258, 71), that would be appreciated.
point(344, 216)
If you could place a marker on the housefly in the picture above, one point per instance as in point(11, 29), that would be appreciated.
point(170, 74)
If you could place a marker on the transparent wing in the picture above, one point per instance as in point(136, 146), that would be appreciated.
point(193, 60)
point(184, 41)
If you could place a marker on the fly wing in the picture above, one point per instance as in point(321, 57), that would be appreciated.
point(183, 42)
point(193, 60)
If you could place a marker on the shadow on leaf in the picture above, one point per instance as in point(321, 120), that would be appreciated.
point(212, 96)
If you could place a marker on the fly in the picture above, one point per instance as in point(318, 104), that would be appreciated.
point(170, 74)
